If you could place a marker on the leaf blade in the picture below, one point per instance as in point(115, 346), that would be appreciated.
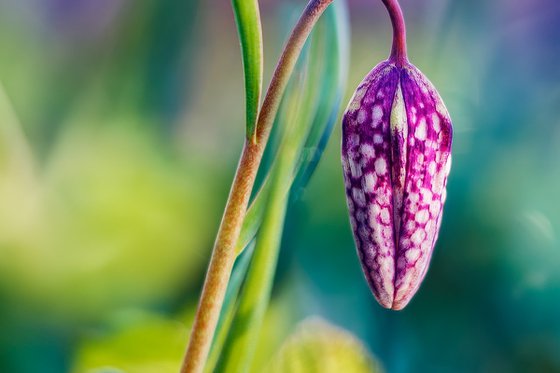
point(298, 116)
point(247, 18)
point(333, 29)
point(332, 91)
point(253, 299)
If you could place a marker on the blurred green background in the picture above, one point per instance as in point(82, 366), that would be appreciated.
point(120, 127)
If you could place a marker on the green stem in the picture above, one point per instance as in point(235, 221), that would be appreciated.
point(223, 254)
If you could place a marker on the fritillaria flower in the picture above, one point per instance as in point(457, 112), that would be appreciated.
point(396, 156)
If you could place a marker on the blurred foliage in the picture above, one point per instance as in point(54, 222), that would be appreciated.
point(161, 350)
point(316, 346)
point(106, 213)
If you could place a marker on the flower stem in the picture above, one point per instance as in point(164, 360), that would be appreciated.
point(223, 254)
point(398, 51)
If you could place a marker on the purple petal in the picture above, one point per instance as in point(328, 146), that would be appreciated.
point(396, 147)
point(429, 160)
point(366, 158)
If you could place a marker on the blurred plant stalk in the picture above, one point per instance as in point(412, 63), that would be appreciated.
point(224, 253)
point(17, 173)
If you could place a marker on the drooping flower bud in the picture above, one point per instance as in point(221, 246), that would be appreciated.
point(396, 155)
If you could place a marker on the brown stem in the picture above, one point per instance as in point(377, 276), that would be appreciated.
point(398, 51)
point(223, 254)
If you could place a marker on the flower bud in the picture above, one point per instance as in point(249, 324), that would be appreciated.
point(396, 155)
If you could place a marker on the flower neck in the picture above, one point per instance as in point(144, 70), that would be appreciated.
point(398, 51)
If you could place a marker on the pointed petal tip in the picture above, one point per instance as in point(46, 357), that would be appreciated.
point(399, 305)
point(393, 304)
point(385, 303)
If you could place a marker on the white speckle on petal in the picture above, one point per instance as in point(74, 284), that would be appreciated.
point(377, 236)
point(436, 122)
point(410, 225)
point(448, 165)
point(421, 131)
point(355, 169)
point(383, 199)
point(368, 151)
point(385, 216)
point(357, 99)
point(427, 196)
point(369, 182)
point(426, 246)
point(435, 207)
point(386, 264)
point(413, 208)
point(418, 236)
point(376, 114)
point(374, 211)
point(405, 243)
point(412, 255)
point(422, 216)
point(361, 116)
point(387, 232)
point(359, 197)
point(380, 166)
point(432, 168)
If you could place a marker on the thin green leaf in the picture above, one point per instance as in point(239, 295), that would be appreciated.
point(332, 90)
point(228, 308)
point(302, 120)
point(255, 213)
point(253, 220)
point(248, 20)
point(329, 62)
point(286, 119)
point(288, 116)
point(318, 69)
point(237, 352)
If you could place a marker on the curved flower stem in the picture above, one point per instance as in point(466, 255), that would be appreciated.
point(223, 254)
point(398, 51)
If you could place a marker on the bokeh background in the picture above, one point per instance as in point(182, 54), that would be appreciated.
point(120, 127)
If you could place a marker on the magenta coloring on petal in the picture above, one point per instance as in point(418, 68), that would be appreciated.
point(396, 155)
